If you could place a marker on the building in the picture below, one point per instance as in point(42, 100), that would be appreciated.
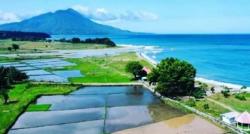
point(230, 117)
point(243, 121)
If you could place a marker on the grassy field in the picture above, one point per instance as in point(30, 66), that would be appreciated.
point(18, 58)
point(22, 95)
point(36, 107)
point(40, 46)
point(239, 105)
point(110, 69)
point(214, 109)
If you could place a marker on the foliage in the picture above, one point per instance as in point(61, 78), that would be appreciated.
point(212, 89)
point(23, 35)
point(9, 48)
point(105, 41)
point(240, 96)
point(153, 76)
point(226, 93)
point(243, 87)
point(134, 67)
point(176, 77)
point(191, 102)
point(76, 40)
point(15, 46)
point(199, 93)
point(9, 76)
point(206, 106)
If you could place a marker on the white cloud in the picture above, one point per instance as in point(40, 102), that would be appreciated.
point(7, 17)
point(138, 16)
point(102, 14)
point(99, 14)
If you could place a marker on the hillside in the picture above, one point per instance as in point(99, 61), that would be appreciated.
point(62, 22)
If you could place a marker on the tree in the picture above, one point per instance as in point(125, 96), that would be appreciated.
point(10, 49)
point(226, 93)
point(134, 67)
point(15, 46)
point(76, 40)
point(212, 90)
point(153, 77)
point(176, 77)
point(8, 76)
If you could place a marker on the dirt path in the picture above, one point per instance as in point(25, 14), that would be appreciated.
point(223, 105)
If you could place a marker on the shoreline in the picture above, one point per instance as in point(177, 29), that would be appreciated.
point(218, 85)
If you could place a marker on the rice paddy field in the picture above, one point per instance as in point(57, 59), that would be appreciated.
point(95, 110)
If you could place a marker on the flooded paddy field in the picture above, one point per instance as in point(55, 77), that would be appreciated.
point(98, 110)
point(35, 69)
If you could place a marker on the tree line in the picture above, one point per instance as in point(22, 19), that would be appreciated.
point(23, 36)
point(104, 41)
point(8, 77)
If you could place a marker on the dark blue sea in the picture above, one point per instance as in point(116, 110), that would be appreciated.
point(224, 58)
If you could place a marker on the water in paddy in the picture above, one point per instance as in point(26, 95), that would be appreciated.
point(120, 107)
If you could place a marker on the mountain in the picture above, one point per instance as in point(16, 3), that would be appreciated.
point(62, 22)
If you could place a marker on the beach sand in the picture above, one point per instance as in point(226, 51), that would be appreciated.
point(219, 86)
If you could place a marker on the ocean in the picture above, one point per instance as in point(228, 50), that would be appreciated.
point(224, 58)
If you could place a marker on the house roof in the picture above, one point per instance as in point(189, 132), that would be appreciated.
point(244, 118)
point(231, 114)
point(147, 70)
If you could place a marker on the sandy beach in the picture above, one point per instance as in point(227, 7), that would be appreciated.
point(212, 83)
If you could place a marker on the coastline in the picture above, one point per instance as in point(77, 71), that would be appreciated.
point(218, 85)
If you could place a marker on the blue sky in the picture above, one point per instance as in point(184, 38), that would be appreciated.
point(157, 16)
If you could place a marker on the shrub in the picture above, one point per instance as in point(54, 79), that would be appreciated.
point(206, 106)
point(226, 93)
point(191, 102)
point(240, 96)
point(212, 89)
point(199, 93)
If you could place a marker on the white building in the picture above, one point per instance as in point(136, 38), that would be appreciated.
point(230, 117)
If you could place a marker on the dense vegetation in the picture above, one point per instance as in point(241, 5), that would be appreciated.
point(104, 41)
point(174, 77)
point(31, 36)
point(8, 77)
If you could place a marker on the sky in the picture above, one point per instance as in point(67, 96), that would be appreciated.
point(153, 16)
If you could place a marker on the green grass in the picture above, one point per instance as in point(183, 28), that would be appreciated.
point(40, 107)
point(110, 69)
point(40, 46)
point(214, 110)
point(239, 105)
point(22, 95)
point(19, 57)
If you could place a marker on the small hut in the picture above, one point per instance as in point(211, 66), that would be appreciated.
point(243, 121)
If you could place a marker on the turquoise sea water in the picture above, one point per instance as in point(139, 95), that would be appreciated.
point(223, 58)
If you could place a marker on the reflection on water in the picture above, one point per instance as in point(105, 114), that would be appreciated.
point(180, 121)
